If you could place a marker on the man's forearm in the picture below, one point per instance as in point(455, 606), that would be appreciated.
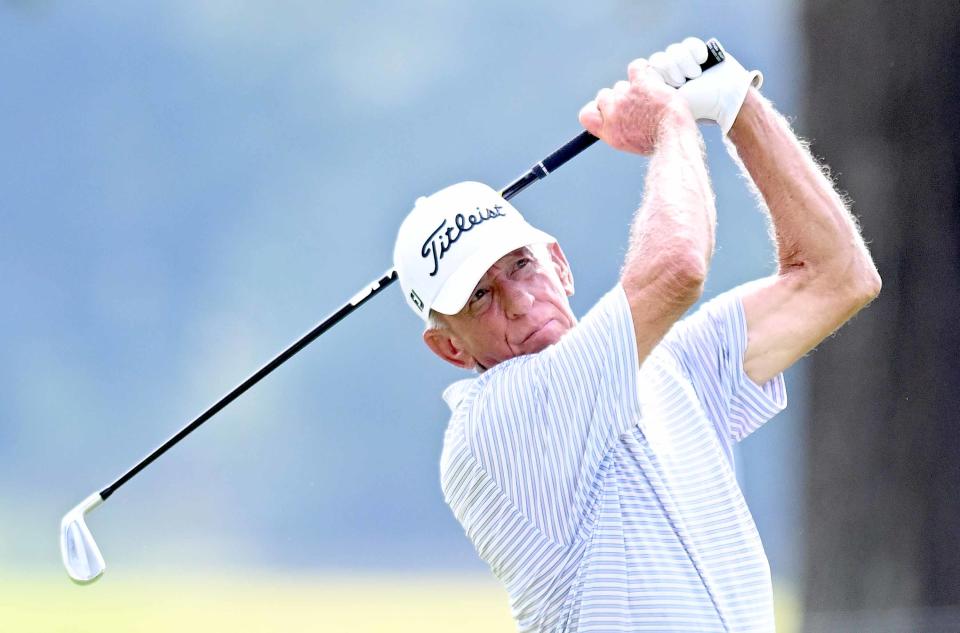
point(671, 239)
point(825, 274)
point(672, 234)
point(815, 233)
point(674, 227)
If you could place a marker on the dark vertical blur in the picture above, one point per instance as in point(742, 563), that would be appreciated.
point(882, 106)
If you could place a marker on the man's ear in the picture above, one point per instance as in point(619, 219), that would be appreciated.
point(562, 267)
point(446, 345)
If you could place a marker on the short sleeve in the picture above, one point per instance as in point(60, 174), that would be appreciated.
point(540, 425)
point(709, 345)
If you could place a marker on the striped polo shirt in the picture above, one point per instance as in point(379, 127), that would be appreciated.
point(602, 493)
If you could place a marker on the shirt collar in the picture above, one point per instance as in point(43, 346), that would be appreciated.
point(456, 392)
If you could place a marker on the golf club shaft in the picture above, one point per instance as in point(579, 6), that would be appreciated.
point(585, 139)
point(541, 170)
point(538, 171)
point(359, 299)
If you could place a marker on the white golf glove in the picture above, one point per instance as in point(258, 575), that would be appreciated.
point(716, 95)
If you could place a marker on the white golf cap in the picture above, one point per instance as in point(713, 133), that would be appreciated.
point(450, 240)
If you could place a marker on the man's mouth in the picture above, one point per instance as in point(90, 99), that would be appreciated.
point(535, 331)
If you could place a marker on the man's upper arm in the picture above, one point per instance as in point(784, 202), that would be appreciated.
point(787, 316)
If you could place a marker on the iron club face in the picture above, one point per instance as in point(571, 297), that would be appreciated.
point(81, 556)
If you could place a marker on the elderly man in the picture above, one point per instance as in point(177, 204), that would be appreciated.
point(590, 462)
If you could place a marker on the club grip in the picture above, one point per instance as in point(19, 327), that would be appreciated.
point(585, 139)
point(715, 54)
point(569, 149)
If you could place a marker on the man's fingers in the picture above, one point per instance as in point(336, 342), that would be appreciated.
point(591, 115)
point(683, 58)
point(668, 69)
point(591, 119)
point(697, 48)
point(603, 98)
point(642, 70)
point(637, 68)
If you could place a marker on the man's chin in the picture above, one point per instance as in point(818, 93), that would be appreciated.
point(540, 340)
point(543, 338)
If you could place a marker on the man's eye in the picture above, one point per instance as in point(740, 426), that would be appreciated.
point(523, 261)
point(479, 293)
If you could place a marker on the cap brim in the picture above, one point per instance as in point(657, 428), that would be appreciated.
point(459, 286)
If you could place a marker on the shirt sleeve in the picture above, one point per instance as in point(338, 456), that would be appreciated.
point(541, 424)
point(709, 346)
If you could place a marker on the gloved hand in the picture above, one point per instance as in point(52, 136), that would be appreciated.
point(715, 95)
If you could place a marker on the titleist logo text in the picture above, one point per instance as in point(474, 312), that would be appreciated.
point(441, 240)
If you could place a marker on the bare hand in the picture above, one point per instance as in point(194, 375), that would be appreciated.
point(630, 115)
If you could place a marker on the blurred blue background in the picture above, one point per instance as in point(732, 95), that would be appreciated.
point(186, 187)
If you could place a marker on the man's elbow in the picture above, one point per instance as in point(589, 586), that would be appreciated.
point(846, 287)
point(675, 278)
point(689, 273)
point(860, 285)
point(868, 285)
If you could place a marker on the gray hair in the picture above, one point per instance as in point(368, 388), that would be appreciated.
point(435, 321)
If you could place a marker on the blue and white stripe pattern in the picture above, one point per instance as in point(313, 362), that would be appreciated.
point(602, 494)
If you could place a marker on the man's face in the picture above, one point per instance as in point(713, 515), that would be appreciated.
point(520, 306)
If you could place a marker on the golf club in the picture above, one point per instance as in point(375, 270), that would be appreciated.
point(81, 556)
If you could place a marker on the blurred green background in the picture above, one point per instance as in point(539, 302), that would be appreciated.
point(263, 601)
point(185, 187)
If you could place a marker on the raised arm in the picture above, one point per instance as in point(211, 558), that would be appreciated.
point(825, 273)
point(671, 239)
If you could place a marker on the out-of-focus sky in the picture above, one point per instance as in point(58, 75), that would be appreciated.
point(186, 187)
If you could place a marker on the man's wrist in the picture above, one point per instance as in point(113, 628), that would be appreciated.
point(747, 117)
point(677, 118)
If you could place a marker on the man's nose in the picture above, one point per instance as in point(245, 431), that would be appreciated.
point(517, 300)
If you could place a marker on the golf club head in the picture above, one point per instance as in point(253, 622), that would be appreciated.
point(81, 556)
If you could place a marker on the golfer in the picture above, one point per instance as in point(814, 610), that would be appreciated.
point(590, 462)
